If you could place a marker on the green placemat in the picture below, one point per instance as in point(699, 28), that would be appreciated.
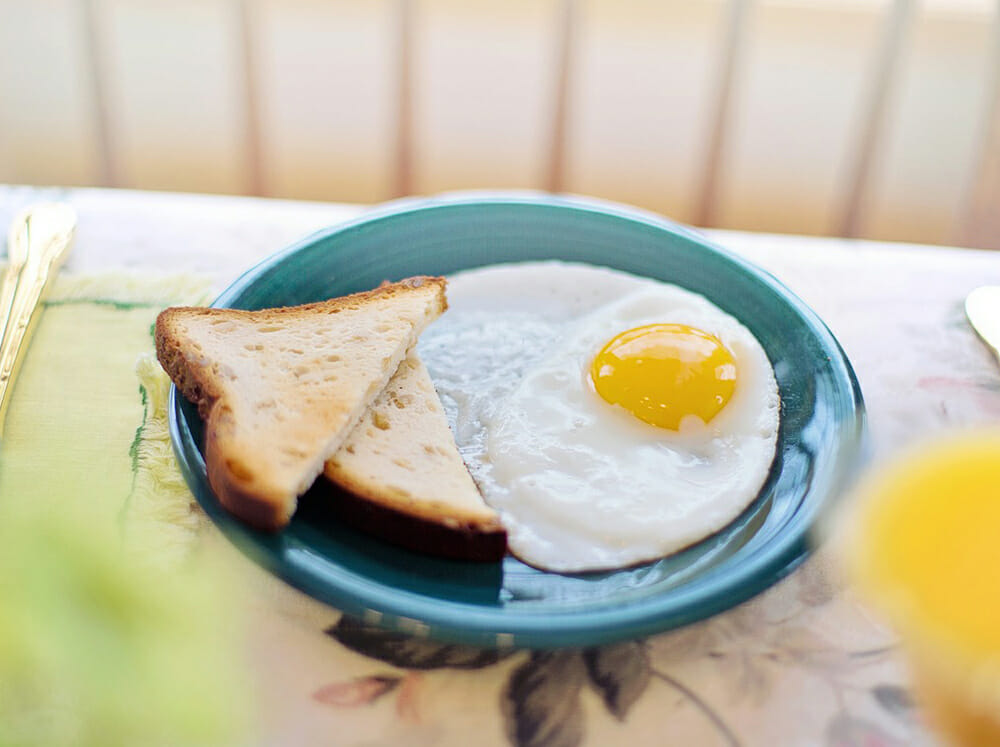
point(71, 427)
point(107, 635)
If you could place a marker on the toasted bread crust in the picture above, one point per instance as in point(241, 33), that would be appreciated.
point(201, 383)
point(239, 498)
point(202, 390)
point(480, 541)
point(442, 514)
point(403, 461)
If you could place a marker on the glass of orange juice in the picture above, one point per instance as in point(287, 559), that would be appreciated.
point(923, 547)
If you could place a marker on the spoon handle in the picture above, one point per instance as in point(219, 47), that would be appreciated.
point(37, 245)
point(982, 307)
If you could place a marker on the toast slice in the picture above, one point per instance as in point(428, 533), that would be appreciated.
point(405, 478)
point(281, 389)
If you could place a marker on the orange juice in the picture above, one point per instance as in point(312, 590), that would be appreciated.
point(924, 548)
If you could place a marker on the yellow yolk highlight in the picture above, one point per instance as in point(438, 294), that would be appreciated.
point(662, 373)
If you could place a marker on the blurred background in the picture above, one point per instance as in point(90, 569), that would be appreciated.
point(870, 118)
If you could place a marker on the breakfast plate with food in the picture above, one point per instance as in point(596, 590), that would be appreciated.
point(513, 420)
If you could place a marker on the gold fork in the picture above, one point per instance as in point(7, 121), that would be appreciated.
point(37, 245)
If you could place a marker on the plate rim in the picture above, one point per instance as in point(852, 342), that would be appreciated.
point(411, 612)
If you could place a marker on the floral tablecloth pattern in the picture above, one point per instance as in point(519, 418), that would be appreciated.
point(801, 664)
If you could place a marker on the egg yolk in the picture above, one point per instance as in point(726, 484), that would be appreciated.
point(662, 373)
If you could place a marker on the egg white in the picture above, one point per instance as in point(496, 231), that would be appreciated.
point(582, 485)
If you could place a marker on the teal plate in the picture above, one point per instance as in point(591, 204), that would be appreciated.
point(509, 603)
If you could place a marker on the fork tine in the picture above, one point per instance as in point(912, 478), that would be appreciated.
point(16, 257)
point(39, 242)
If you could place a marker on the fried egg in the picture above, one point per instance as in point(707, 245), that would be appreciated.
point(610, 419)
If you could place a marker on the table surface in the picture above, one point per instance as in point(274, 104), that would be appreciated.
point(802, 663)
